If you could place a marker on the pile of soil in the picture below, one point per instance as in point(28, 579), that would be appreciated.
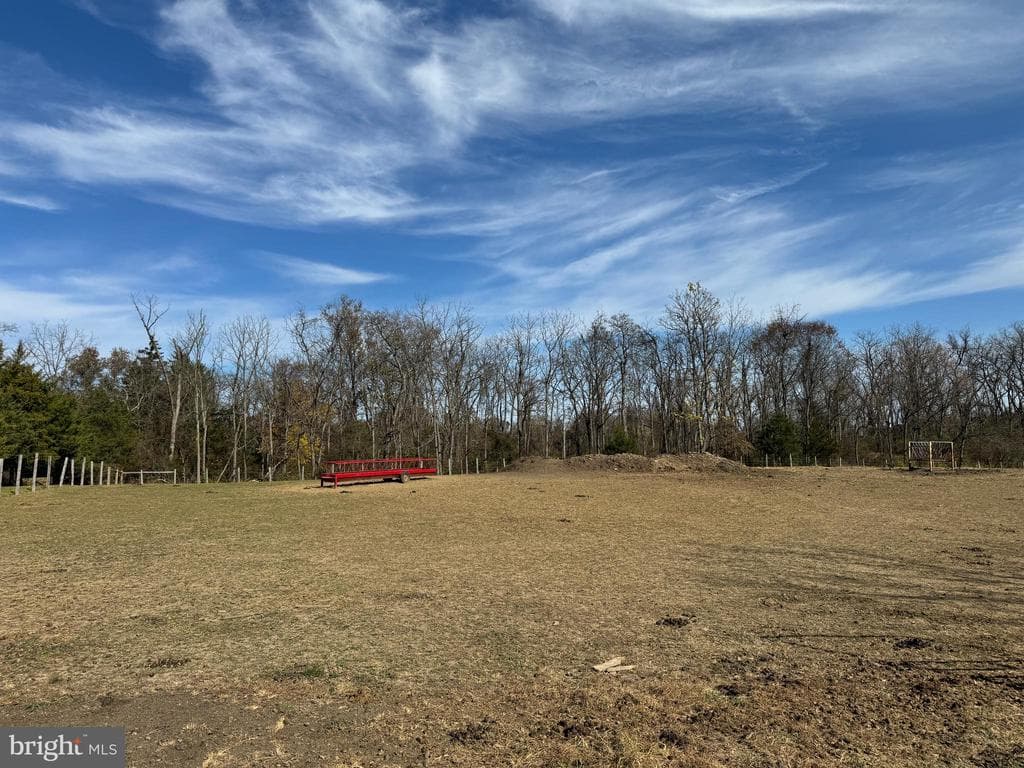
point(698, 462)
point(618, 462)
point(631, 462)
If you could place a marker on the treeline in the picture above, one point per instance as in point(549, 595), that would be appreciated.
point(244, 402)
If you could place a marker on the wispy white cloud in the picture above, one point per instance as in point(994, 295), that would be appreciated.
point(1000, 272)
point(177, 262)
point(937, 170)
point(762, 242)
point(733, 195)
point(317, 272)
point(100, 300)
point(706, 10)
point(362, 111)
point(39, 202)
point(319, 114)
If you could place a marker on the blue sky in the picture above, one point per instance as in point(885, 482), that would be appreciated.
point(863, 159)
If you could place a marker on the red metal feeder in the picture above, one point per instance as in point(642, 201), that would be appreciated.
point(370, 469)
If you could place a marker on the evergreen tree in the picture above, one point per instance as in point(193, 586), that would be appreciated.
point(778, 437)
point(27, 414)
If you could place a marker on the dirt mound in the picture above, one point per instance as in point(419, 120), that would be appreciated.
point(698, 462)
point(594, 462)
point(618, 462)
point(631, 462)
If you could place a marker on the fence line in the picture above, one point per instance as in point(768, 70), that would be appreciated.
point(107, 474)
point(110, 474)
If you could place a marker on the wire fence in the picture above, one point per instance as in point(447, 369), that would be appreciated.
point(772, 461)
point(37, 472)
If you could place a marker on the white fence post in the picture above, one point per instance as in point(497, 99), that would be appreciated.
point(1, 473)
point(17, 478)
point(35, 471)
point(49, 471)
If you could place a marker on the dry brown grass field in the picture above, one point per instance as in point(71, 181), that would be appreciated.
point(810, 617)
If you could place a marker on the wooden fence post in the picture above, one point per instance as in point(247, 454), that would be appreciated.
point(63, 469)
point(81, 479)
point(49, 471)
point(17, 478)
point(35, 471)
point(1, 473)
point(92, 476)
point(101, 473)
